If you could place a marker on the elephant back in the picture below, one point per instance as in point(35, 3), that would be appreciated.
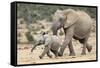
point(71, 17)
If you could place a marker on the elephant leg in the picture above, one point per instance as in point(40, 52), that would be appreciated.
point(71, 49)
point(68, 36)
point(55, 52)
point(89, 48)
point(33, 48)
point(84, 42)
point(85, 45)
point(46, 49)
point(84, 50)
point(60, 53)
point(36, 44)
point(49, 55)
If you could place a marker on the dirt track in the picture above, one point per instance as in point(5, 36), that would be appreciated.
point(24, 56)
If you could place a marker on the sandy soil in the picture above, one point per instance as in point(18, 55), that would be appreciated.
point(24, 56)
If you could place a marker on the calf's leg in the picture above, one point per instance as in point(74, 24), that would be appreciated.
point(49, 55)
point(46, 49)
point(55, 52)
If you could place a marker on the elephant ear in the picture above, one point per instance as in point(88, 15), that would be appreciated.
point(71, 17)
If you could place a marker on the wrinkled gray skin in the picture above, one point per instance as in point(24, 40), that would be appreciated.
point(51, 43)
point(77, 25)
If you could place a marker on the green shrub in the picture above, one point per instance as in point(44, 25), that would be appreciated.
point(33, 12)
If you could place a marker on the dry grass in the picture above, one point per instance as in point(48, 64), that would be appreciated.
point(26, 57)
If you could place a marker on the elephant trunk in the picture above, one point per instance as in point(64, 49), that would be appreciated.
point(55, 27)
point(54, 30)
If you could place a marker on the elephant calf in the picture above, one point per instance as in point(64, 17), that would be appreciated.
point(51, 42)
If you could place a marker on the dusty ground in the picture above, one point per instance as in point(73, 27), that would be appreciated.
point(24, 56)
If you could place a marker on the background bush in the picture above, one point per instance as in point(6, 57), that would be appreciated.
point(33, 12)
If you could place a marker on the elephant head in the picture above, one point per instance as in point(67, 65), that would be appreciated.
point(63, 18)
point(38, 40)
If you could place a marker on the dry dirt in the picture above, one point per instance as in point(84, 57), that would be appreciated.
point(24, 56)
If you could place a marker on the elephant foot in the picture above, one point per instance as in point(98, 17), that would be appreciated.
point(31, 50)
point(50, 56)
point(72, 54)
point(83, 53)
point(40, 57)
point(57, 57)
point(89, 48)
point(60, 54)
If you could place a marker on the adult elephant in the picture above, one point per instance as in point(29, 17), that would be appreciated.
point(77, 25)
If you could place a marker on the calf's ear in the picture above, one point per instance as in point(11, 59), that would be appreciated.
point(43, 33)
